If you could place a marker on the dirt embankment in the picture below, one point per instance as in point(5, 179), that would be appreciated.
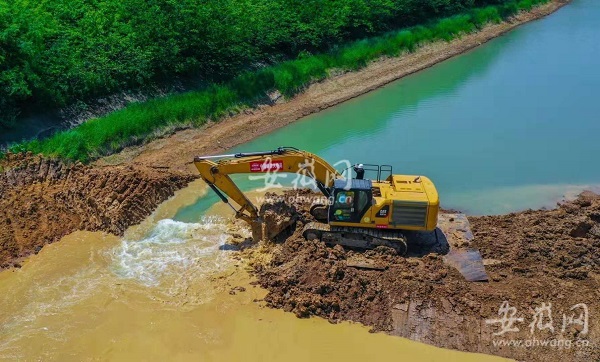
point(42, 200)
point(532, 257)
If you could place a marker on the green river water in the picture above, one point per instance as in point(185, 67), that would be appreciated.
point(511, 125)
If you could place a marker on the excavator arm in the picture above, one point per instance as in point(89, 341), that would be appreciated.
point(216, 171)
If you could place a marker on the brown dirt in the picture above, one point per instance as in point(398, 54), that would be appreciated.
point(532, 256)
point(178, 150)
point(44, 200)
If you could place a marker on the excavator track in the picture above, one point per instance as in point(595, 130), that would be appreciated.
point(359, 238)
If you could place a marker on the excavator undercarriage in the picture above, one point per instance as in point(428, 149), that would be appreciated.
point(356, 238)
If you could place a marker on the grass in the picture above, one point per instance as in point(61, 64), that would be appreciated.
point(141, 122)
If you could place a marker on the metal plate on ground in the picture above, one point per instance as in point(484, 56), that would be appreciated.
point(468, 262)
point(462, 256)
point(456, 228)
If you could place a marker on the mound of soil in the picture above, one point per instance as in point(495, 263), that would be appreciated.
point(532, 257)
point(43, 200)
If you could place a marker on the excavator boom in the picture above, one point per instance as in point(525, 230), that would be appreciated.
point(283, 159)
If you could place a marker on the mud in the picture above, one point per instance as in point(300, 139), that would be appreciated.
point(43, 200)
point(532, 257)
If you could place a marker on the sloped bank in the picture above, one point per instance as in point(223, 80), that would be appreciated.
point(177, 150)
point(43, 200)
point(532, 257)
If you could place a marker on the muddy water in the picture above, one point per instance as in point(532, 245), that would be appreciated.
point(163, 293)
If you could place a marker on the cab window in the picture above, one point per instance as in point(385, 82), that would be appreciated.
point(349, 206)
point(362, 201)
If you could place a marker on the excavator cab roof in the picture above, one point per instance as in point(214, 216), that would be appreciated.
point(354, 184)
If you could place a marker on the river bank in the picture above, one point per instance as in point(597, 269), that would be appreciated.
point(176, 151)
point(142, 122)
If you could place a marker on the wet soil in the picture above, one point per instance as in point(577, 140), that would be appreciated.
point(532, 257)
point(43, 200)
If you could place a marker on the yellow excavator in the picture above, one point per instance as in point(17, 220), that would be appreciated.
point(361, 213)
point(386, 210)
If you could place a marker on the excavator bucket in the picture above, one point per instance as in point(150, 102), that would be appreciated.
point(276, 221)
point(461, 255)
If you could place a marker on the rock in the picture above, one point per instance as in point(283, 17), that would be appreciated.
point(581, 229)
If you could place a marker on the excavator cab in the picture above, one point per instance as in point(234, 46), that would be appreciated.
point(352, 198)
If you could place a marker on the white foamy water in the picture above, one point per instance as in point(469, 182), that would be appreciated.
point(171, 249)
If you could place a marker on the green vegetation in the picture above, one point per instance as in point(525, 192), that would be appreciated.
point(225, 57)
point(59, 52)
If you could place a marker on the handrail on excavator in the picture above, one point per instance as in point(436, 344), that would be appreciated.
point(278, 151)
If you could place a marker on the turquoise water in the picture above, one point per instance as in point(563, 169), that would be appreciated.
point(511, 125)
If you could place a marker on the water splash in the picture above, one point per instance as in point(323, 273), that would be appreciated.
point(172, 249)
